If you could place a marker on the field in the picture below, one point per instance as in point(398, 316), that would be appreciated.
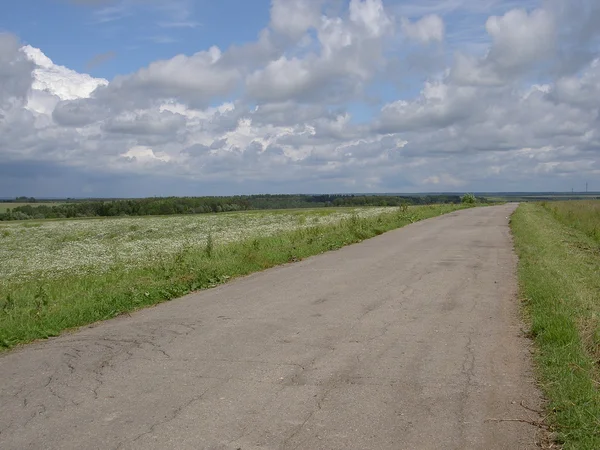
point(52, 249)
point(540, 196)
point(559, 248)
point(60, 274)
point(4, 206)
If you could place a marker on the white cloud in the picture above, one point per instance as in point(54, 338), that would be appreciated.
point(293, 17)
point(60, 81)
point(521, 41)
point(144, 155)
point(520, 38)
point(145, 123)
point(279, 113)
point(443, 179)
point(583, 91)
point(429, 28)
point(439, 105)
point(199, 78)
point(15, 73)
point(370, 15)
point(350, 52)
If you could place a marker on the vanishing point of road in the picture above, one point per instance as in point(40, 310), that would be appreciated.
point(410, 340)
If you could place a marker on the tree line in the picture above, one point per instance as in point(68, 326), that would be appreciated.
point(202, 205)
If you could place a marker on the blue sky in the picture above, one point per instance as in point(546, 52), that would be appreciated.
point(107, 38)
point(73, 34)
point(135, 97)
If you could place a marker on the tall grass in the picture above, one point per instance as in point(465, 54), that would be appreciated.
point(583, 215)
point(33, 309)
point(559, 275)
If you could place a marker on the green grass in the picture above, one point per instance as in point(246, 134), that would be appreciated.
point(583, 215)
point(4, 206)
point(559, 275)
point(31, 309)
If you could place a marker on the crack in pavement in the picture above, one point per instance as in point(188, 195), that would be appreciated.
point(173, 415)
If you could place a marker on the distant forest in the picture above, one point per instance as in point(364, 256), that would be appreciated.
point(201, 205)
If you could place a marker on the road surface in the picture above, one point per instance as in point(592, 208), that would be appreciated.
point(410, 340)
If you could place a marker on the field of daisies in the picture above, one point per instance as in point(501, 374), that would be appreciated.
point(34, 250)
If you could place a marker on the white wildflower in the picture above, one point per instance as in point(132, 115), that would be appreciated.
point(57, 247)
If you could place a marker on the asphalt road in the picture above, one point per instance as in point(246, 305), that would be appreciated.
point(410, 340)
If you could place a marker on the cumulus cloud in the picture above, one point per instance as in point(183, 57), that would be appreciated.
point(145, 123)
point(582, 91)
point(350, 52)
point(429, 28)
point(293, 18)
point(521, 40)
point(144, 155)
point(16, 70)
point(577, 32)
point(439, 106)
point(370, 15)
point(65, 83)
point(77, 113)
point(198, 77)
point(293, 110)
point(443, 179)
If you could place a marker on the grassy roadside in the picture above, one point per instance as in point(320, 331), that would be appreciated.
point(559, 275)
point(34, 310)
point(584, 215)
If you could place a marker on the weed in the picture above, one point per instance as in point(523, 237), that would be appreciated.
point(210, 246)
point(41, 298)
point(7, 304)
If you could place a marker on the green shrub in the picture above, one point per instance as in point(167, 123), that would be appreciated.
point(468, 199)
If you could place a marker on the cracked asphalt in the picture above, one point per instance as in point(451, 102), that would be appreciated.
point(410, 340)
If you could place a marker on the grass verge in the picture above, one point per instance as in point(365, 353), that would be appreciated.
point(583, 215)
point(34, 310)
point(559, 275)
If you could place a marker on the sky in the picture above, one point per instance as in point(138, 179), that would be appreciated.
point(131, 98)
